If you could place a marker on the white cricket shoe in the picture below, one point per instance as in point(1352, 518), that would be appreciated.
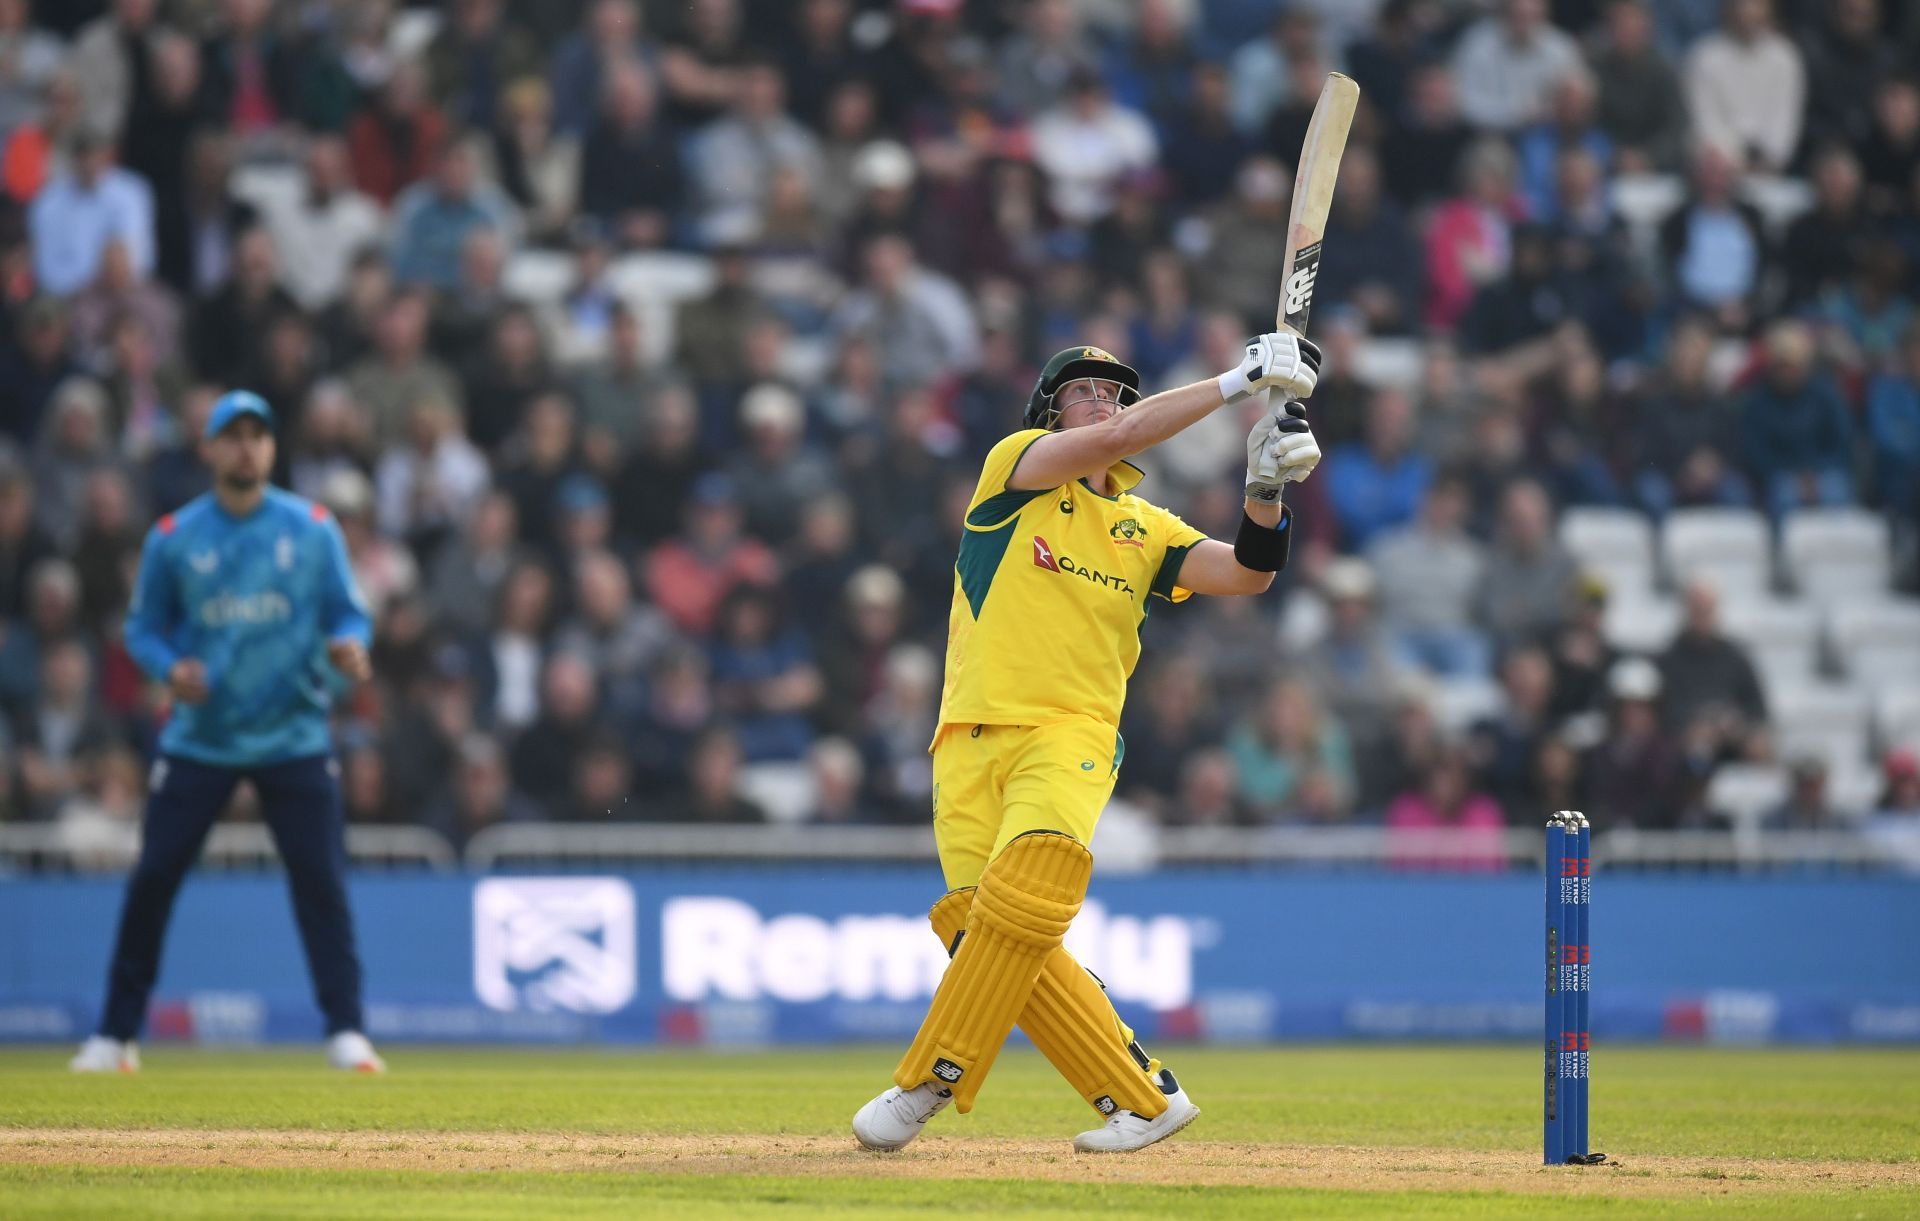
point(99, 1054)
point(1126, 1131)
point(352, 1051)
point(897, 1116)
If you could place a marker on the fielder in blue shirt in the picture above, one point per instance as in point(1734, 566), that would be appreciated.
point(246, 608)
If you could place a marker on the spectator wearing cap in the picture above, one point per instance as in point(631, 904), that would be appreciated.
point(1635, 769)
point(1506, 65)
point(1088, 145)
point(1531, 580)
point(778, 472)
point(79, 212)
point(1640, 105)
point(481, 795)
point(318, 229)
point(689, 575)
point(1429, 574)
point(1746, 88)
point(735, 158)
point(631, 177)
point(918, 321)
point(431, 219)
point(1798, 432)
point(583, 518)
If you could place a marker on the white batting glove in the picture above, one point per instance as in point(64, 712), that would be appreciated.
point(1278, 360)
point(1280, 450)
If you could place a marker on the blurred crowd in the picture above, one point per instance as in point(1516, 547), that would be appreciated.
point(686, 555)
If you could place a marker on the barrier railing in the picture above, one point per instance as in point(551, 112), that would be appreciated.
point(28, 846)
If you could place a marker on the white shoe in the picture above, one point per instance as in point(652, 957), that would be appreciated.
point(350, 1050)
point(897, 1116)
point(99, 1054)
point(1126, 1131)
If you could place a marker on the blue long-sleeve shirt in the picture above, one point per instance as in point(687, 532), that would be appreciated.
point(255, 599)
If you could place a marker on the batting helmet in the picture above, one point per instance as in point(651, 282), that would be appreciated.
point(1072, 364)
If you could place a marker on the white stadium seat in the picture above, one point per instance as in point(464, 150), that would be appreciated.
point(1897, 718)
point(1828, 720)
point(1641, 623)
point(1779, 200)
point(1643, 201)
point(1745, 792)
point(784, 790)
point(1783, 637)
point(1878, 641)
point(1458, 704)
point(1614, 544)
point(538, 277)
point(1727, 548)
point(1837, 554)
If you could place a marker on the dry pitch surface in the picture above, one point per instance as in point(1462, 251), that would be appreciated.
point(1335, 1132)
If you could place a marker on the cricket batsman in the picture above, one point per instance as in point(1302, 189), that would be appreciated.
point(1055, 568)
point(244, 606)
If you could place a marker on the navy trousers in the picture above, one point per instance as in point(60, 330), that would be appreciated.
point(300, 801)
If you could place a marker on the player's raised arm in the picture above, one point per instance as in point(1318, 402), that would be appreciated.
point(1280, 450)
point(1084, 402)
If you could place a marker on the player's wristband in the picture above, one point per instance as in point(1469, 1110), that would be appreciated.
point(1234, 385)
point(1261, 548)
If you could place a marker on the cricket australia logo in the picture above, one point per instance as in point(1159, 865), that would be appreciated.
point(1128, 533)
point(550, 945)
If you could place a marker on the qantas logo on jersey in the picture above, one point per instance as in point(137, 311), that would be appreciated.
point(1043, 557)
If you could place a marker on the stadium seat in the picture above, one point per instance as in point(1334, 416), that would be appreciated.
point(1615, 544)
point(1396, 363)
point(1641, 623)
point(1643, 201)
point(1897, 718)
point(1837, 554)
point(1828, 720)
point(1878, 641)
point(1744, 792)
point(1725, 547)
point(1460, 703)
point(1779, 200)
point(783, 790)
point(538, 277)
point(411, 31)
point(1782, 636)
point(1854, 789)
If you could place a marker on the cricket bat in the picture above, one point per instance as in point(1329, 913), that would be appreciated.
point(1313, 180)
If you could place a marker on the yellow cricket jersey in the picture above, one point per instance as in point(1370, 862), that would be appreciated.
point(1049, 592)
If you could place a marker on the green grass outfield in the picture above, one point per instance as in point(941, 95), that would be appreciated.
point(1334, 1131)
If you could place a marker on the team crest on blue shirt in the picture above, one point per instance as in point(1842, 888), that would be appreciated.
point(204, 562)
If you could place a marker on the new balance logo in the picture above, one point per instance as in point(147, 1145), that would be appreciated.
point(1105, 1104)
point(1306, 269)
point(947, 1070)
point(1043, 555)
